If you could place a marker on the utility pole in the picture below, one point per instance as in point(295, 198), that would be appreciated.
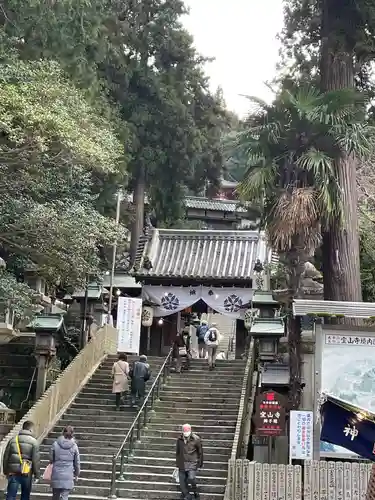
point(114, 252)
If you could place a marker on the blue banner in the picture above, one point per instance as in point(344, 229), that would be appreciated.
point(347, 426)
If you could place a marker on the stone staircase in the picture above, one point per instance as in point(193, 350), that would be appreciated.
point(209, 401)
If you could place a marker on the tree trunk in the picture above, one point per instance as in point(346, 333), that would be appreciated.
point(295, 361)
point(139, 207)
point(341, 265)
point(294, 261)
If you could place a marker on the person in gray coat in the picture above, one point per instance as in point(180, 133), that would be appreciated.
point(25, 444)
point(140, 373)
point(65, 460)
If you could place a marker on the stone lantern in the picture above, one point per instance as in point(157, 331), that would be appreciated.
point(46, 328)
point(268, 331)
point(90, 300)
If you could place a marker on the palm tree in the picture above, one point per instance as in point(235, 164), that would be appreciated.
point(292, 148)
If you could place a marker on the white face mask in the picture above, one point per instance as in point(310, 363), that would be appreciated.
point(187, 434)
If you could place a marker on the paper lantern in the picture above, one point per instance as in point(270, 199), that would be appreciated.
point(147, 316)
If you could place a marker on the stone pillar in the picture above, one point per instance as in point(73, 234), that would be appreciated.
point(312, 342)
point(45, 350)
point(43, 363)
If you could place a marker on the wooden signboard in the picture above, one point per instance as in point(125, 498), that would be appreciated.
point(269, 416)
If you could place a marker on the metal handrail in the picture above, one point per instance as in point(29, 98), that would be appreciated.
point(29, 389)
point(140, 422)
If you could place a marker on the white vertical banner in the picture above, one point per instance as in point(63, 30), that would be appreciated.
point(129, 314)
point(301, 435)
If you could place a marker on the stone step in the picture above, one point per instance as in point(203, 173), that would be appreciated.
point(185, 399)
point(92, 400)
point(187, 376)
point(163, 405)
point(201, 429)
point(169, 426)
point(201, 388)
point(170, 441)
point(176, 431)
point(197, 403)
point(110, 448)
point(93, 433)
point(130, 495)
point(158, 476)
point(211, 454)
point(126, 414)
point(107, 368)
point(141, 458)
point(193, 397)
point(150, 445)
point(162, 408)
point(92, 391)
point(18, 360)
point(194, 421)
point(100, 487)
point(170, 462)
point(180, 381)
point(224, 371)
point(144, 464)
point(106, 410)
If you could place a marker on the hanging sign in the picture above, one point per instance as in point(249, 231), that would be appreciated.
point(270, 414)
point(129, 314)
point(301, 435)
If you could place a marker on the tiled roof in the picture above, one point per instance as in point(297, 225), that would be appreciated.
point(46, 322)
point(201, 203)
point(264, 326)
point(204, 254)
point(219, 205)
point(302, 307)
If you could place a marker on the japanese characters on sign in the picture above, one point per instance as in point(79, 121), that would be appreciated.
point(351, 431)
point(349, 427)
point(129, 311)
point(301, 435)
point(349, 340)
point(270, 414)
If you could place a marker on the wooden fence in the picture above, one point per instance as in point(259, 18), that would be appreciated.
point(312, 481)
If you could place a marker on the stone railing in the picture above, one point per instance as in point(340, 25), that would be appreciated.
point(313, 480)
point(7, 416)
point(7, 420)
point(245, 410)
point(239, 447)
point(49, 408)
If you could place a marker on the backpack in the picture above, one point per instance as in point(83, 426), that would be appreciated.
point(212, 337)
point(202, 332)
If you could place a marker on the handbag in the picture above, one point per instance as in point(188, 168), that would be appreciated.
point(47, 475)
point(182, 351)
point(175, 476)
point(25, 464)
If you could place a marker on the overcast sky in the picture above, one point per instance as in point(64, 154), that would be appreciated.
point(241, 36)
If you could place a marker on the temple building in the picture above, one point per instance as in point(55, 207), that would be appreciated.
point(219, 273)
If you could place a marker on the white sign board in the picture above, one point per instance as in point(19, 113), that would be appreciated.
point(301, 435)
point(129, 313)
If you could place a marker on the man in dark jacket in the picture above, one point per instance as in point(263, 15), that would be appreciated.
point(189, 458)
point(18, 475)
point(140, 373)
point(179, 347)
